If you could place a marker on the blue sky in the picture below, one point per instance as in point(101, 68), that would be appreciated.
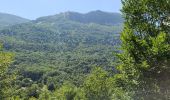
point(33, 9)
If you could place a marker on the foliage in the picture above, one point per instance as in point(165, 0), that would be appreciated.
point(98, 85)
point(45, 94)
point(144, 60)
point(55, 54)
point(5, 84)
point(54, 49)
point(67, 92)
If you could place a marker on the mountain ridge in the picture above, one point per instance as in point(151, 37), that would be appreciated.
point(9, 19)
point(98, 17)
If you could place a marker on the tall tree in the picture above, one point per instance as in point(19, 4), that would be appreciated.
point(145, 58)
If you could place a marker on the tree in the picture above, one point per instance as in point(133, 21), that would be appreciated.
point(144, 67)
point(5, 61)
point(98, 85)
point(33, 91)
point(69, 92)
point(45, 95)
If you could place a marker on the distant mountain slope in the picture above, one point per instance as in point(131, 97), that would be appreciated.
point(98, 17)
point(60, 47)
point(8, 19)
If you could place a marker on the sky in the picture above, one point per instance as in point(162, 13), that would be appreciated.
point(32, 9)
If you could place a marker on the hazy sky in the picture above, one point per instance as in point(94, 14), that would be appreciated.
point(32, 9)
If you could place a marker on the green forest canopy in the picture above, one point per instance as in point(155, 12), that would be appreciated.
point(70, 58)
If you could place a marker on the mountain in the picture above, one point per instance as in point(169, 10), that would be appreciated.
point(98, 17)
point(8, 19)
point(62, 48)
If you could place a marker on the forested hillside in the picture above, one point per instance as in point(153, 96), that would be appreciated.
point(55, 49)
point(8, 20)
point(92, 56)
